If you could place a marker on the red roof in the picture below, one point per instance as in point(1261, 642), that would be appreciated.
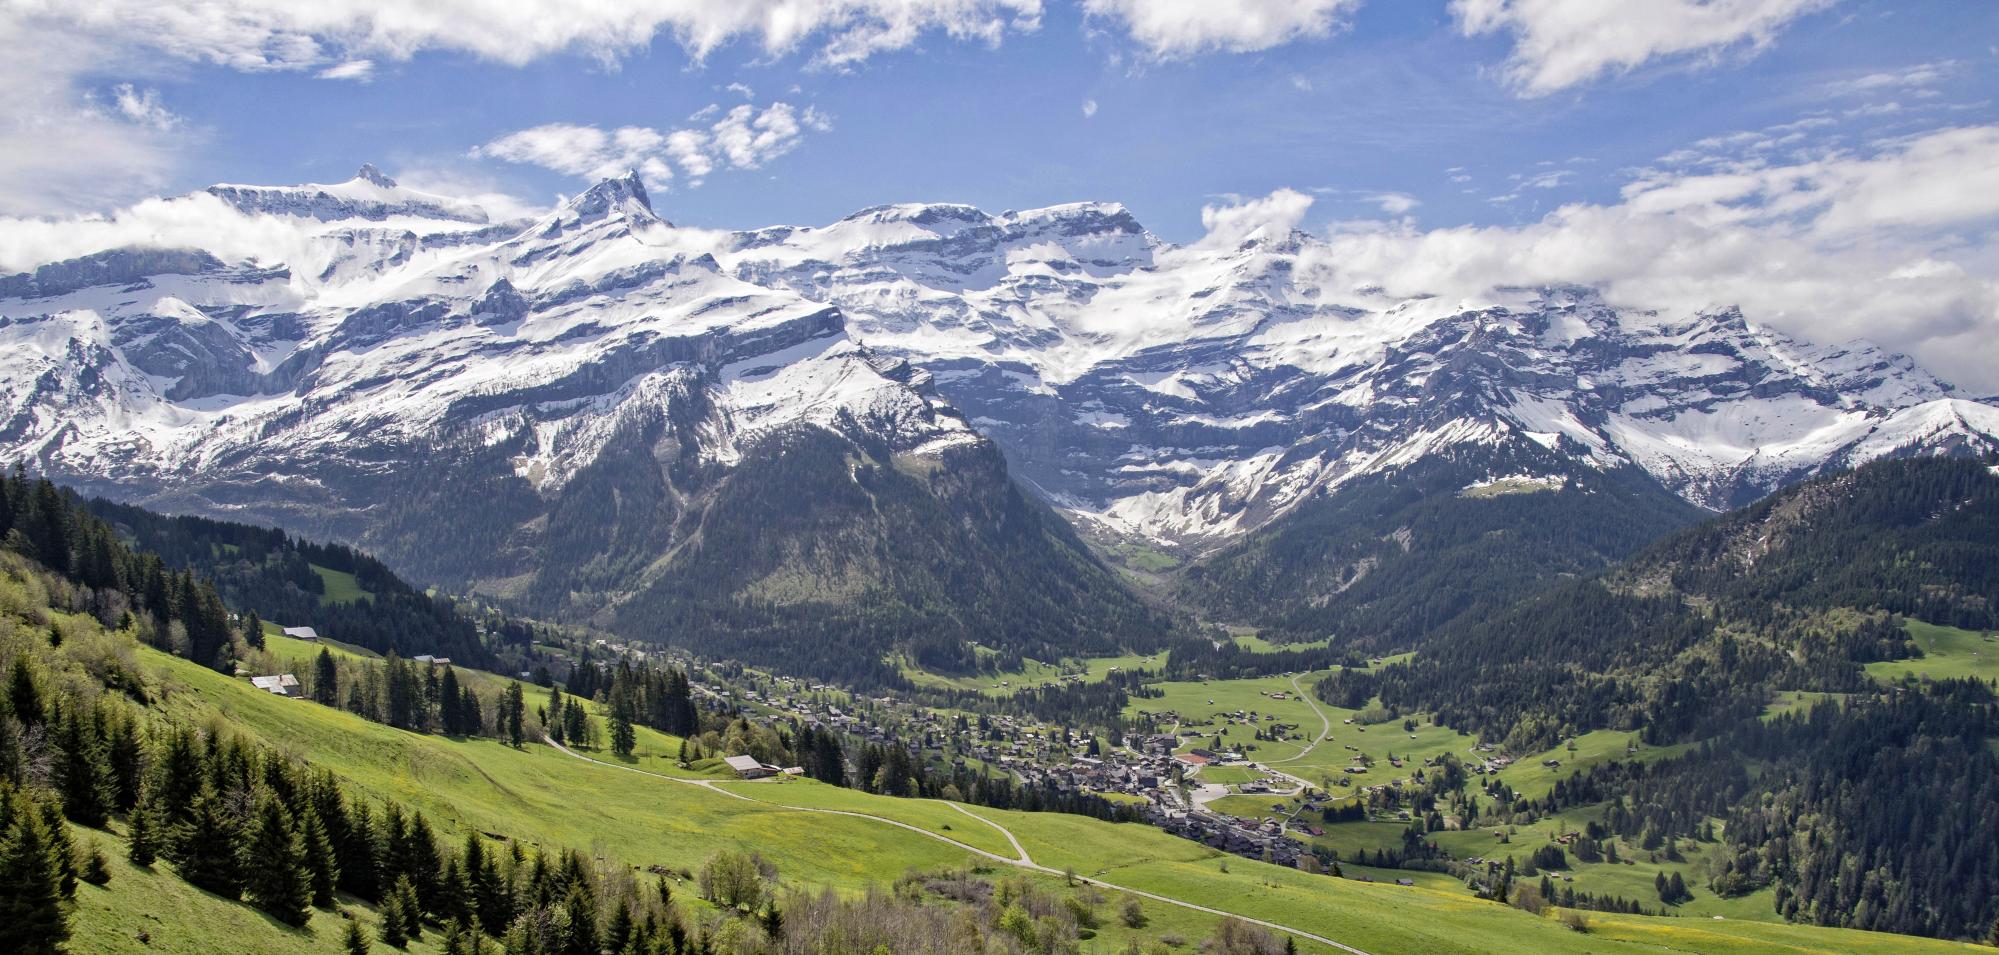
point(1192, 758)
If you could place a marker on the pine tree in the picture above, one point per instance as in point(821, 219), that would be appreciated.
point(448, 703)
point(357, 938)
point(253, 631)
point(322, 868)
point(96, 869)
point(142, 843)
point(406, 900)
point(512, 712)
point(623, 739)
point(325, 679)
point(32, 918)
point(84, 771)
point(61, 846)
point(205, 846)
point(278, 880)
point(394, 931)
point(23, 696)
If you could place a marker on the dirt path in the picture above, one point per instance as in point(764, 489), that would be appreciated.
point(1325, 727)
point(1024, 862)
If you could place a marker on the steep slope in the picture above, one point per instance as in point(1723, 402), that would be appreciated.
point(568, 397)
point(541, 410)
point(1190, 394)
point(1704, 627)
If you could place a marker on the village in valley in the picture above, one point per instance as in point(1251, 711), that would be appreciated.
point(1253, 767)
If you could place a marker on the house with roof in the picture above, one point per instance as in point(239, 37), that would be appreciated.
point(301, 633)
point(283, 684)
point(748, 767)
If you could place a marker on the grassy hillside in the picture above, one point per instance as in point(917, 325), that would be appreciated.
point(550, 799)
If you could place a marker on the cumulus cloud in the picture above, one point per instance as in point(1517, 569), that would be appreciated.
point(65, 145)
point(1089, 108)
point(200, 221)
point(1558, 44)
point(1883, 243)
point(1174, 28)
point(1395, 203)
point(742, 138)
point(143, 107)
point(282, 34)
point(1270, 216)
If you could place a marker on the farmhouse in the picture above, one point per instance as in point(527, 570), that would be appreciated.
point(283, 684)
point(301, 633)
point(747, 767)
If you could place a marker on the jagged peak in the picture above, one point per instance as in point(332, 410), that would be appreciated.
point(624, 195)
point(368, 173)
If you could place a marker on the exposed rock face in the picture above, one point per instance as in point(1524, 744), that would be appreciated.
point(400, 367)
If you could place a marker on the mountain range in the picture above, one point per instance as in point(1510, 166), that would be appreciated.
point(732, 439)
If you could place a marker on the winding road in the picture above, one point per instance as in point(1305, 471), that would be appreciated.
point(1023, 862)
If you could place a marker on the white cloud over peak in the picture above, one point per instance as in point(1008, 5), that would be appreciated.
point(742, 138)
point(1558, 44)
point(1270, 216)
point(1173, 28)
point(1884, 243)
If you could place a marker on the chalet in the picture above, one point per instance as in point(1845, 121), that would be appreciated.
point(434, 661)
point(283, 684)
point(301, 633)
point(1192, 759)
point(747, 767)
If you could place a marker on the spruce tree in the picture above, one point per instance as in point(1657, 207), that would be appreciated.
point(61, 846)
point(32, 918)
point(84, 770)
point(357, 938)
point(142, 843)
point(205, 847)
point(412, 908)
point(512, 712)
point(277, 878)
point(253, 631)
point(96, 869)
point(395, 934)
point(322, 868)
point(623, 739)
point(325, 679)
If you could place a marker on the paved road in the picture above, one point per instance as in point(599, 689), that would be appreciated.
point(1024, 862)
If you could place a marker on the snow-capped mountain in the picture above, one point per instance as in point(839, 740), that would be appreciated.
point(576, 411)
point(164, 366)
point(1185, 394)
point(1189, 394)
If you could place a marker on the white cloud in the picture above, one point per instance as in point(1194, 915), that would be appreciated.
point(1893, 244)
point(741, 89)
point(65, 147)
point(1274, 215)
point(1089, 108)
point(358, 71)
point(1395, 203)
point(1173, 28)
point(1562, 43)
point(1918, 78)
point(742, 138)
point(282, 34)
point(143, 107)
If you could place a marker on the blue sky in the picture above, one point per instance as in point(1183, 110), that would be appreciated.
point(1395, 98)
